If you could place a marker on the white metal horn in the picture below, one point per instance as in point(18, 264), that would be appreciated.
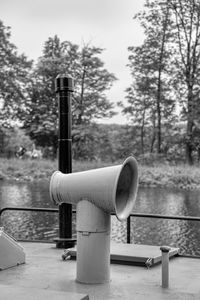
point(112, 189)
point(97, 194)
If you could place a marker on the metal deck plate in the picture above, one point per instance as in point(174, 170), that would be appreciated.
point(134, 254)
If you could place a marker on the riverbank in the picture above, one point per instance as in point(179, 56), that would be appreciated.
point(162, 175)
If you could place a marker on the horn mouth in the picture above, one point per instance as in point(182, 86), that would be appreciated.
point(54, 188)
point(126, 188)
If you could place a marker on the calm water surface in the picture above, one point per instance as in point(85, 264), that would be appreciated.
point(183, 234)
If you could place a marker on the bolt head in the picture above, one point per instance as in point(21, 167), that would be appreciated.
point(165, 248)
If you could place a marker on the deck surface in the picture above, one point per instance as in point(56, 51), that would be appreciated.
point(46, 276)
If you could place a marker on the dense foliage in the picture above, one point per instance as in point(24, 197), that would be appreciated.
point(89, 100)
point(162, 102)
point(14, 79)
point(165, 71)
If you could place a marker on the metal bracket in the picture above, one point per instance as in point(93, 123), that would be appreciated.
point(66, 255)
point(149, 262)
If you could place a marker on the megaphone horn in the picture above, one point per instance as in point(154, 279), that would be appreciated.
point(97, 194)
point(112, 189)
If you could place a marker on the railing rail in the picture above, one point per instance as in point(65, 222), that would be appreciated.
point(137, 215)
point(169, 217)
point(36, 209)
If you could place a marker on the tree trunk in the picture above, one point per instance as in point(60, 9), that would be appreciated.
point(142, 132)
point(159, 86)
point(190, 118)
point(80, 116)
point(198, 155)
point(159, 114)
point(188, 151)
point(153, 139)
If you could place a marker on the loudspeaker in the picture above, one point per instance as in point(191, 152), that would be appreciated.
point(112, 189)
point(97, 193)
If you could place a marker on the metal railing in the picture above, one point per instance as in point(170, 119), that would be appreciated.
point(37, 209)
point(159, 216)
point(156, 216)
point(128, 227)
point(34, 209)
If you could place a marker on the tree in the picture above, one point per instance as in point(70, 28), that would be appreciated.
point(14, 78)
point(91, 81)
point(187, 20)
point(152, 95)
point(92, 142)
point(150, 98)
point(140, 108)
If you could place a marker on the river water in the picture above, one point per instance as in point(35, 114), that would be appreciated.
point(183, 234)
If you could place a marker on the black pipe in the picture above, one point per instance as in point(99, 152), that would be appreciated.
point(128, 230)
point(64, 87)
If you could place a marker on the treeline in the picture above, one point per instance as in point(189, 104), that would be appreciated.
point(28, 100)
point(101, 142)
point(162, 102)
point(166, 73)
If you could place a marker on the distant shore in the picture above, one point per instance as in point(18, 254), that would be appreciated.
point(160, 175)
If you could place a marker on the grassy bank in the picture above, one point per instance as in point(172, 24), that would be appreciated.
point(182, 176)
point(29, 170)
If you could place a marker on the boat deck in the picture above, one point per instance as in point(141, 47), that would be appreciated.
point(46, 275)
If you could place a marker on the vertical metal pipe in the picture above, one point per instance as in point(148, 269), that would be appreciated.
point(64, 88)
point(165, 266)
point(128, 230)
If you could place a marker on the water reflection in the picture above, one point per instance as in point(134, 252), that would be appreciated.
point(183, 234)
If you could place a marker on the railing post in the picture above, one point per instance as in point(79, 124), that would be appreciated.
point(128, 230)
point(64, 86)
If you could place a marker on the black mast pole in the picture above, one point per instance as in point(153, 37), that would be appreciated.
point(64, 87)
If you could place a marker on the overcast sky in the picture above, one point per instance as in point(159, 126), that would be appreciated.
point(107, 24)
